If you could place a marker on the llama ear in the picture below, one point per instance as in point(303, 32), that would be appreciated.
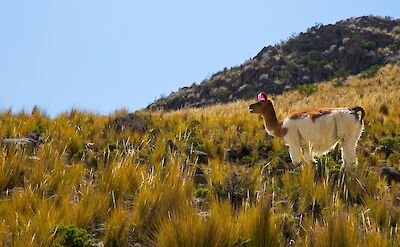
point(262, 96)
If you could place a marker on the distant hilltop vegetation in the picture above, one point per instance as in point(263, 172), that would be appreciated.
point(323, 52)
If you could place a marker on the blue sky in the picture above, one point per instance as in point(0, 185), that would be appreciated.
point(101, 56)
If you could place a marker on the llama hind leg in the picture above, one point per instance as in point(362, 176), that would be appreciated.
point(349, 153)
point(308, 155)
point(294, 152)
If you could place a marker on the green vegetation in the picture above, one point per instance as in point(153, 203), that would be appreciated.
point(91, 184)
point(368, 45)
point(307, 89)
point(371, 72)
point(392, 47)
point(73, 236)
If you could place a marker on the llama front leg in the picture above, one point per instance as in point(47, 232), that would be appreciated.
point(294, 152)
point(349, 154)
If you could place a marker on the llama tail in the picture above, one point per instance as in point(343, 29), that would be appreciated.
point(358, 109)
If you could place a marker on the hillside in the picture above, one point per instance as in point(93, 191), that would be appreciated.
point(200, 177)
point(321, 53)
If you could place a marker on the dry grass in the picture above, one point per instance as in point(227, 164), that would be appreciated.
point(129, 189)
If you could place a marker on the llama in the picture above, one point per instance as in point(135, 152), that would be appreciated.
point(314, 133)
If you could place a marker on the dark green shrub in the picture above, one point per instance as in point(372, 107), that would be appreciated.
point(342, 73)
point(38, 131)
point(112, 146)
point(368, 45)
point(394, 158)
point(194, 125)
point(392, 47)
point(247, 159)
point(279, 159)
point(288, 226)
point(79, 154)
point(196, 142)
point(202, 192)
point(307, 89)
point(73, 236)
point(263, 150)
point(371, 72)
point(339, 82)
point(390, 145)
point(76, 149)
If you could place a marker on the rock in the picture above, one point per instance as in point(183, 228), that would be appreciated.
point(171, 146)
point(371, 53)
point(130, 121)
point(263, 77)
point(21, 142)
point(306, 78)
point(345, 40)
point(391, 174)
point(396, 29)
point(245, 87)
point(234, 154)
point(199, 177)
point(230, 154)
point(394, 58)
point(32, 140)
point(12, 191)
point(202, 157)
point(33, 158)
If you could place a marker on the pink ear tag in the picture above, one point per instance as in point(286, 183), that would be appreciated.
point(261, 97)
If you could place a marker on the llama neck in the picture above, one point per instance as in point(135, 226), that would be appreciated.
point(272, 124)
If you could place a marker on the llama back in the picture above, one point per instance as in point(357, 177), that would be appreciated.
point(324, 130)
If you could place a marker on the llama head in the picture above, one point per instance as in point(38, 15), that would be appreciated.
point(264, 104)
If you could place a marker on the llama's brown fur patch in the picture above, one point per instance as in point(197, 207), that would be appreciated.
point(313, 114)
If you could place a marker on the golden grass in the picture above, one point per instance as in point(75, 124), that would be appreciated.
point(131, 189)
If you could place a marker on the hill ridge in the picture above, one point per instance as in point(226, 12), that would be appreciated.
point(321, 53)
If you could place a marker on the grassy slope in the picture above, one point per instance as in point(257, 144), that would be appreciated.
point(130, 189)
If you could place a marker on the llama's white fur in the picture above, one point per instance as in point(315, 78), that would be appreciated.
point(314, 137)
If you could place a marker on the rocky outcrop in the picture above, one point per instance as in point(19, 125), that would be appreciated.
point(32, 140)
point(201, 156)
point(321, 53)
point(199, 177)
point(390, 174)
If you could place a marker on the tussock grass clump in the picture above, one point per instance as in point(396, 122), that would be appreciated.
point(125, 187)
